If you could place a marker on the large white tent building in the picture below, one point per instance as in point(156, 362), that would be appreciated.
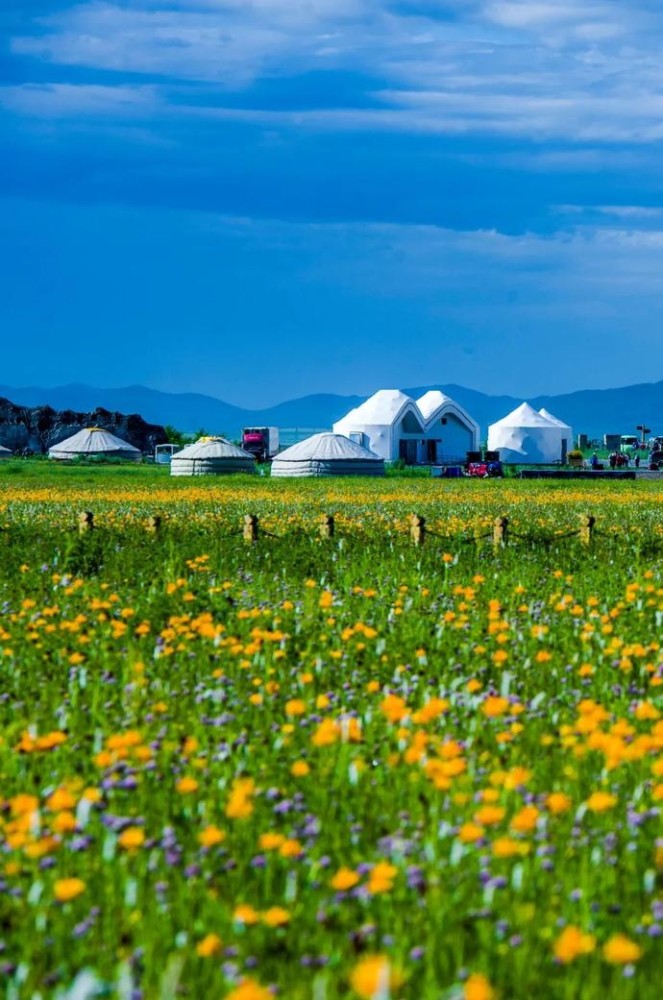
point(433, 429)
point(94, 442)
point(567, 431)
point(211, 456)
point(327, 455)
point(526, 437)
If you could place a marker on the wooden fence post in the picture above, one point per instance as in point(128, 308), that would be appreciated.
point(586, 533)
point(418, 529)
point(500, 531)
point(154, 524)
point(85, 521)
point(327, 526)
point(250, 530)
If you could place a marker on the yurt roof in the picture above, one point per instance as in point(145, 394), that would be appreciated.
point(383, 407)
point(327, 447)
point(4, 451)
point(212, 447)
point(92, 441)
point(432, 401)
point(524, 416)
point(553, 419)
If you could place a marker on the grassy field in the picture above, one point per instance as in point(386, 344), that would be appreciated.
point(328, 769)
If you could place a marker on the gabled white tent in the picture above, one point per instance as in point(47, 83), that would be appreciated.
point(94, 442)
point(567, 431)
point(5, 452)
point(327, 455)
point(211, 456)
point(390, 423)
point(525, 436)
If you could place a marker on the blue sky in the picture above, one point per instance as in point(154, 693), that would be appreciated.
point(264, 198)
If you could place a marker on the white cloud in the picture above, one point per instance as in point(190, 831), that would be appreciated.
point(63, 100)
point(588, 73)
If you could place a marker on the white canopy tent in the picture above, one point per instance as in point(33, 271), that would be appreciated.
point(94, 442)
point(327, 455)
point(211, 456)
point(432, 429)
point(526, 437)
point(567, 431)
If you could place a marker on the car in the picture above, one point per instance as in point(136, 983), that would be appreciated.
point(656, 460)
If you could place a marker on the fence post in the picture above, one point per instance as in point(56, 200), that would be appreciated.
point(250, 530)
point(418, 529)
point(500, 531)
point(154, 524)
point(85, 521)
point(327, 526)
point(586, 532)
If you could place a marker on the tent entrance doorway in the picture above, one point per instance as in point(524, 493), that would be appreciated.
point(407, 452)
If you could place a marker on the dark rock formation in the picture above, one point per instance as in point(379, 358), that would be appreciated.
point(38, 428)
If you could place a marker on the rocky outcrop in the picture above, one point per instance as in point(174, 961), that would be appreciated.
point(36, 429)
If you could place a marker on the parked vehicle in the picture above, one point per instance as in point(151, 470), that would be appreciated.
point(263, 442)
point(656, 460)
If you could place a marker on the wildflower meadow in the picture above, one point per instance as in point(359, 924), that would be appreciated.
point(318, 768)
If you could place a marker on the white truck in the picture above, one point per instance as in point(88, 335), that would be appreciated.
point(263, 442)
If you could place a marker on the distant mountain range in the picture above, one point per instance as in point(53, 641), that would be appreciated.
point(590, 411)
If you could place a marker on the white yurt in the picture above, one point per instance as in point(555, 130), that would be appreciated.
point(567, 430)
point(327, 455)
point(526, 437)
point(5, 452)
point(211, 456)
point(95, 442)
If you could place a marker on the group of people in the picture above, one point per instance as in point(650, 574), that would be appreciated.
point(616, 460)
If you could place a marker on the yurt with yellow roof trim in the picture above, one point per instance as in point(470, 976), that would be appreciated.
point(211, 456)
point(94, 442)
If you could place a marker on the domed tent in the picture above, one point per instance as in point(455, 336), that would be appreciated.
point(94, 442)
point(5, 452)
point(327, 455)
point(567, 431)
point(526, 437)
point(211, 456)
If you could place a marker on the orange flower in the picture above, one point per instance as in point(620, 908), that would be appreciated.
point(494, 706)
point(132, 838)
point(601, 801)
point(300, 769)
point(249, 989)
point(572, 943)
point(209, 946)
point(245, 914)
point(620, 950)
point(276, 916)
point(66, 889)
point(211, 836)
point(374, 976)
point(345, 878)
point(477, 987)
point(186, 785)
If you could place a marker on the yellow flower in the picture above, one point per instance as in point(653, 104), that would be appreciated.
point(469, 832)
point(374, 976)
point(600, 801)
point(300, 769)
point(276, 916)
point(489, 814)
point(239, 804)
point(620, 950)
point(245, 914)
point(249, 989)
point(477, 987)
point(68, 888)
point(211, 836)
point(186, 785)
point(345, 878)
point(558, 802)
point(494, 706)
point(132, 838)
point(209, 946)
point(394, 708)
point(572, 943)
point(60, 799)
point(295, 706)
point(506, 847)
point(525, 820)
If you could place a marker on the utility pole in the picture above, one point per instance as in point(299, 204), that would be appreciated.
point(644, 431)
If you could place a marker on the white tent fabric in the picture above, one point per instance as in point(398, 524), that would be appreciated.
point(211, 456)
point(327, 455)
point(5, 452)
point(526, 437)
point(393, 425)
point(94, 442)
point(567, 431)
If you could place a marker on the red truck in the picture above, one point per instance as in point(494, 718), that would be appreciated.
point(263, 442)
